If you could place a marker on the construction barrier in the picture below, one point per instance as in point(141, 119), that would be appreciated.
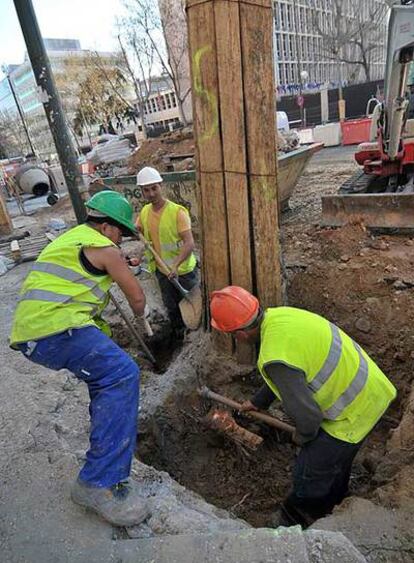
point(329, 134)
point(355, 131)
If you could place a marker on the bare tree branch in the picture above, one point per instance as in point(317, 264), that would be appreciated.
point(352, 32)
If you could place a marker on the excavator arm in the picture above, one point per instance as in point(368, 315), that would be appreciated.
point(400, 51)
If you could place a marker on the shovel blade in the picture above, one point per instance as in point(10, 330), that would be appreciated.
point(191, 308)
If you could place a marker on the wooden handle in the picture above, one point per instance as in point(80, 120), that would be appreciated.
point(157, 257)
point(270, 420)
point(148, 328)
point(133, 330)
point(163, 265)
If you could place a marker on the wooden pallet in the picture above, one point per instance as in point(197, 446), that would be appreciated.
point(26, 249)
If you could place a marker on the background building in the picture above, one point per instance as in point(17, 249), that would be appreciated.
point(305, 31)
point(21, 79)
point(161, 108)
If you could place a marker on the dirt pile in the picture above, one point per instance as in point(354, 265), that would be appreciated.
point(156, 152)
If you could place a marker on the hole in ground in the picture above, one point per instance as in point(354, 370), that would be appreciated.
point(250, 485)
point(162, 345)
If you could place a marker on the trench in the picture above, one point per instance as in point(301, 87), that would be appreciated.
point(248, 484)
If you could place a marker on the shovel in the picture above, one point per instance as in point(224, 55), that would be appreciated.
point(269, 420)
point(133, 330)
point(191, 305)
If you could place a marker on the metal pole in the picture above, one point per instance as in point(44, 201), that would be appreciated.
point(19, 109)
point(298, 55)
point(51, 103)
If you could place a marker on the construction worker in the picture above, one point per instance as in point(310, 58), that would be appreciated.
point(327, 383)
point(57, 325)
point(167, 226)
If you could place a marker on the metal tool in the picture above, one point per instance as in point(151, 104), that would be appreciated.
point(270, 420)
point(191, 305)
point(133, 330)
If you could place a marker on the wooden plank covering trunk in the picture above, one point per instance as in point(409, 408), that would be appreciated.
point(234, 113)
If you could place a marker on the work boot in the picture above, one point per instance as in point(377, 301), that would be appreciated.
point(120, 504)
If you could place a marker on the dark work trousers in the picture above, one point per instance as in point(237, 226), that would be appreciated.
point(171, 298)
point(320, 479)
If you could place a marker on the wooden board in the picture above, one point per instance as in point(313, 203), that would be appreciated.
point(203, 64)
point(233, 140)
point(235, 131)
point(258, 81)
point(215, 244)
point(205, 97)
point(29, 246)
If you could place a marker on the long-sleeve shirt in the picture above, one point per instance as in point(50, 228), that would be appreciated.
point(296, 397)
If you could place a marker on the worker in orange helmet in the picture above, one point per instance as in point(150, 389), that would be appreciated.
point(328, 385)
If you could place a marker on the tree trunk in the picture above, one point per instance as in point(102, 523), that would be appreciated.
point(180, 111)
point(141, 107)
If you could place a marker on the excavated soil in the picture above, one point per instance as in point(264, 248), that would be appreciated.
point(156, 152)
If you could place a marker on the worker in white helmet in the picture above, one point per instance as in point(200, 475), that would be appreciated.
point(167, 226)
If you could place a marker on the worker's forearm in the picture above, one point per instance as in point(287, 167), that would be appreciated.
point(185, 252)
point(137, 304)
point(297, 400)
point(263, 398)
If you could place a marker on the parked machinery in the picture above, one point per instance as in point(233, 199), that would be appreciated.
point(382, 193)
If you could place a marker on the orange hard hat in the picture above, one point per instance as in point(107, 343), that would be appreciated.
point(232, 308)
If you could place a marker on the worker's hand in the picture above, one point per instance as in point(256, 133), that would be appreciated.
point(247, 406)
point(296, 439)
point(173, 272)
point(134, 261)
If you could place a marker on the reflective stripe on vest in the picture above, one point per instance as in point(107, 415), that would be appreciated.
point(351, 392)
point(45, 295)
point(328, 368)
point(331, 361)
point(68, 275)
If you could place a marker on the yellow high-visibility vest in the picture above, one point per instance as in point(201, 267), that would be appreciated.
point(59, 293)
point(350, 389)
point(170, 240)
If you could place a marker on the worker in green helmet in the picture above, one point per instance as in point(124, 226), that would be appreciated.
point(57, 324)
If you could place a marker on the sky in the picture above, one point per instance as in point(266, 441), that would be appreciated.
point(90, 21)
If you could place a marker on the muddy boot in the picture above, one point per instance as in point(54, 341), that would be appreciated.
point(120, 504)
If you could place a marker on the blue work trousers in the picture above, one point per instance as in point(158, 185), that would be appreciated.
point(112, 378)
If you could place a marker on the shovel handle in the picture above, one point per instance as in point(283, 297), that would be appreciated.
point(133, 330)
point(270, 420)
point(148, 328)
point(161, 263)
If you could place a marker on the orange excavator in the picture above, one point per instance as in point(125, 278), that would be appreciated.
point(381, 194)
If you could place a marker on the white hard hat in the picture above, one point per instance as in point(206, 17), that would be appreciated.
point(148, 176)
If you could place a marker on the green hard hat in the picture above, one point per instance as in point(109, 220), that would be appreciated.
point(114, 206)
